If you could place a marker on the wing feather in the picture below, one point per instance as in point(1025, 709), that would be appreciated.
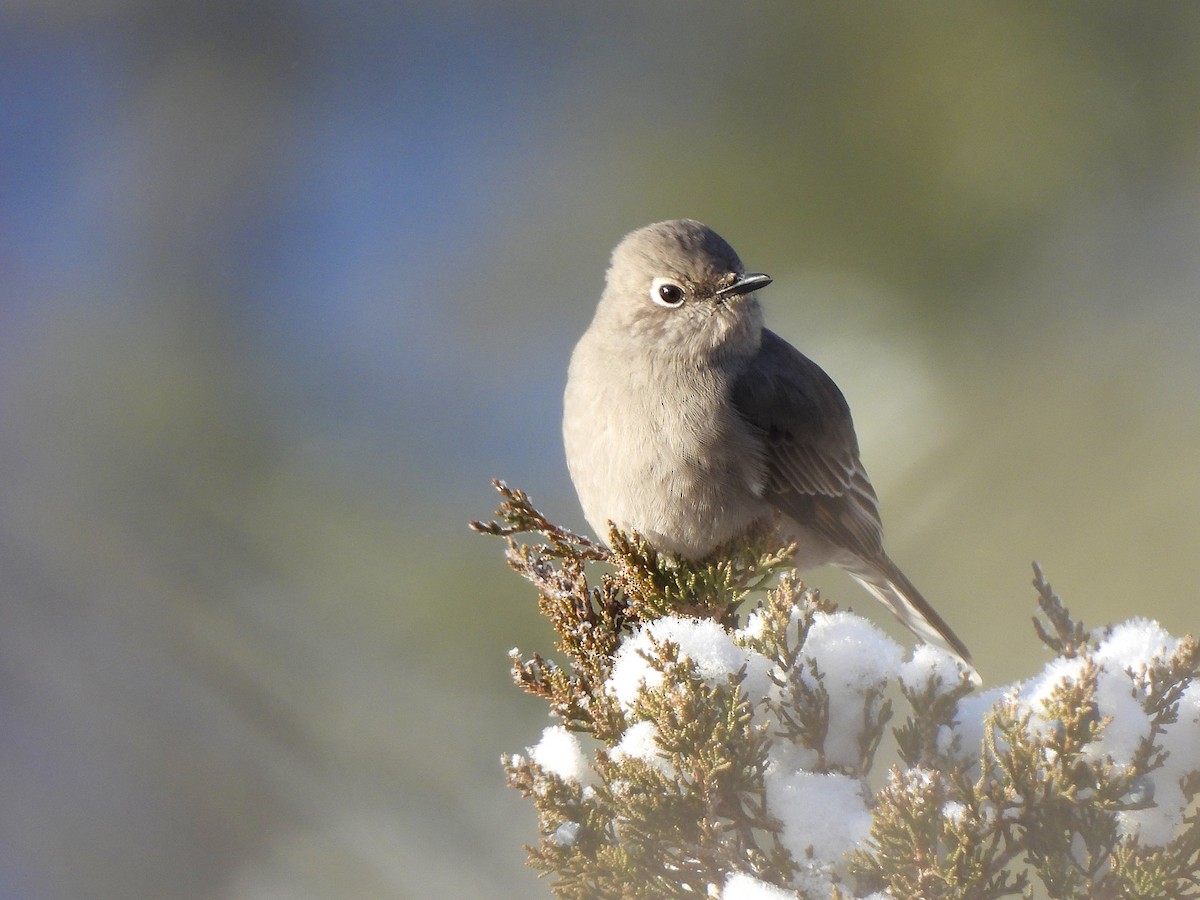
point(815, 477)
point(813, 471)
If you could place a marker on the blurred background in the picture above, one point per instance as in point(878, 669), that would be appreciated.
point(283, 284)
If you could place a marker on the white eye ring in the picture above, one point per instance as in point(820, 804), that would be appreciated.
point(666, 292)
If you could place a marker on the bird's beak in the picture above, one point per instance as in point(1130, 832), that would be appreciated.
point(744, 284)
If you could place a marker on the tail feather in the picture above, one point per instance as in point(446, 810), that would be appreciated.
point(898, 594)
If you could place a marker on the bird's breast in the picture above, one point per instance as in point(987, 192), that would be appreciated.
point(659, 448)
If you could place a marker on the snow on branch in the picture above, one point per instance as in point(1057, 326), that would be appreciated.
point(702, 749)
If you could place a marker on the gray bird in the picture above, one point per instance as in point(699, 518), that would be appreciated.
point(688, 421)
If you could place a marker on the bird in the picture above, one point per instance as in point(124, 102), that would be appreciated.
point(688, 421)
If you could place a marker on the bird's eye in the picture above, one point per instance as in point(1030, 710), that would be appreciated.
point(666, 293)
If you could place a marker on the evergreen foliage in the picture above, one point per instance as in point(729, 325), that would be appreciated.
point(701, 751)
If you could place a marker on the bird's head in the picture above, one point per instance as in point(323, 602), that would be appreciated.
point(678, 288)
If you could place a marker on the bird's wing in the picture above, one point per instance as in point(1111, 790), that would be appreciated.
point(814, 476)
point(813, 471)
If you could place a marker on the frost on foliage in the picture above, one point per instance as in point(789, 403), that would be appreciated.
point(824, 817)
point(930, 663)
point(703, 642)
point(732, 760)
point(855, 661)
point(1083, 776)
point(1129, 722)
point(560, 753)
point(640, 741)
point(740, 886)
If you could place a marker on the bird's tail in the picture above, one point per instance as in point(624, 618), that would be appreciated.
point(885, 580)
